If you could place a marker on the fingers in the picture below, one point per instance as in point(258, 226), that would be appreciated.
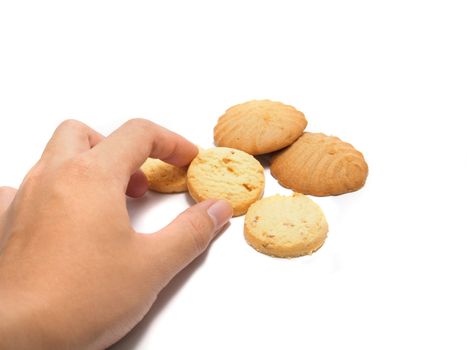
point(7, 194)
point(70, 138)
point(176, 245)
point(126, 149)
point(138, 185)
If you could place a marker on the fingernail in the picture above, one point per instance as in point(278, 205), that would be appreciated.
point(220, 212)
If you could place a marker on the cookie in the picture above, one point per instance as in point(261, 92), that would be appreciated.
point(164, 177)
point(320, 165)
point(226, 173)
point(285, 226)
point(259, 126)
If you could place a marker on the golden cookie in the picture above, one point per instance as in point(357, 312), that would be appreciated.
point(259, 126)
point(226, 173)
point(164, 177)
point(320, 165)
point(285, 227)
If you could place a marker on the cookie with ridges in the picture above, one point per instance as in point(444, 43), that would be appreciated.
point(320, 165)
point(285, 226)
point(226, 173)
point(164, 177)
point(259, 126)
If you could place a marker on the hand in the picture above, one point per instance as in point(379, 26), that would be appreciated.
point(73, 272)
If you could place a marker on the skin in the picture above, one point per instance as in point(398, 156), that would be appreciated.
point(74, 274)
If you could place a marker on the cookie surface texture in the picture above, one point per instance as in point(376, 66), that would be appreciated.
point(259, 126)
point(226, 173)
point(320, 165)
point(164, 177)
point(285, 226)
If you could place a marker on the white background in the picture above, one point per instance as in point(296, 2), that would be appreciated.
point(388, 76)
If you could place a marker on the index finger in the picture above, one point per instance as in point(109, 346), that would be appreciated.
point(126, 149)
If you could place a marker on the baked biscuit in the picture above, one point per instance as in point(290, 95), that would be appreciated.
point(259, 126)
point(226, 173)
point(164, 177)
point(285, 226)
point(320, 165)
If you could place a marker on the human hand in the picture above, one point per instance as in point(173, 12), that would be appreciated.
point(73, 272)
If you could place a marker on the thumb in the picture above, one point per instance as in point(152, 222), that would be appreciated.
point(186, 237)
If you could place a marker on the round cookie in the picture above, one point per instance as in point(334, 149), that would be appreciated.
point(285, 226)
point(226, 173)
point(320, 165)
point(259, 126)
point(164, 177)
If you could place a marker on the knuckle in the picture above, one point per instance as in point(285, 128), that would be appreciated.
point(139, 123)
point(35, 178)
point(198, 231)
point(35, 173)
point(71, 124)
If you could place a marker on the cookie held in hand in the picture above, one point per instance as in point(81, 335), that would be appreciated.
point(320, 165)
point(259, 126)
point(164, 177)
point(226, 173)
